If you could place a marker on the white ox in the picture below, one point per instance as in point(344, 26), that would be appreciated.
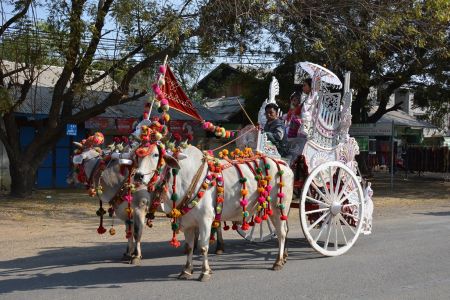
point(201, 216)
point(112, 180)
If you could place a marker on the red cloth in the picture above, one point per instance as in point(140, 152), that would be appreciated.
point(178, 100)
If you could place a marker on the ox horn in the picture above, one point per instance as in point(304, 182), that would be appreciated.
point(79, 145)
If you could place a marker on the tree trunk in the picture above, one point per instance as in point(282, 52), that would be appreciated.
point(23, 175)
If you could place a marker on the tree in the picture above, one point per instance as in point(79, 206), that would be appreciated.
point(76, 35)
point(385, 44)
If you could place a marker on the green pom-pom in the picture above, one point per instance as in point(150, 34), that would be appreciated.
point(281, 172)
point(267, 166)
point(257, 177)
point(245, 214)
point(175, 171)
point(269, 198)
point(281, 206)
point(175, 226)
point(258, 170)
point(213, 230)
point(243, 180)
point(160, 110)
point(174, 197)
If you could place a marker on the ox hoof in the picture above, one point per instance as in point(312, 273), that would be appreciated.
point(126, 257)
point(135, 261)
point(204, 277)
point(277, 267)
point(185, 275)
point(219, 251)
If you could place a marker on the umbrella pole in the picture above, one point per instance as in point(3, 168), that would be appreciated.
point(392, 157)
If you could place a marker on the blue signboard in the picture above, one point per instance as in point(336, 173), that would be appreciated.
point(71, 129)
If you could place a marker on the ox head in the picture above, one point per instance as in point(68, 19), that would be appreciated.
point(150, 159)
point(83, 165)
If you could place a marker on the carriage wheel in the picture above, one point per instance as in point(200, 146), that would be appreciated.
point(331, 211)
point(259, 233)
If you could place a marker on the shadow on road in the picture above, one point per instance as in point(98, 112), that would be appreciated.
point(436, 213)
point(101, 267)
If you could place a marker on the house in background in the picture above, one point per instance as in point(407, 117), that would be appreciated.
point(230, 84)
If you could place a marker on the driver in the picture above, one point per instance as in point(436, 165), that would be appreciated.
point(275, 129)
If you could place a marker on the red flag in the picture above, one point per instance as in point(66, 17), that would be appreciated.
point(178, 100)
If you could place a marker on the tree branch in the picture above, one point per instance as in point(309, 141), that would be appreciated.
point(16, 17)
point(71, 57)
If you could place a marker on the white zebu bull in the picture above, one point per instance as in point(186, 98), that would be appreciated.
point(112, 180)
point(202, 215)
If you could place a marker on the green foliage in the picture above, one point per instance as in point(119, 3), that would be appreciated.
point(385, 45)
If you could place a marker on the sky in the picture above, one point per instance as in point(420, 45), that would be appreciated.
point(40, 13)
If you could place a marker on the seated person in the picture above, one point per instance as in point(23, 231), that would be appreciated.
point(293, 117)
point(275, 129)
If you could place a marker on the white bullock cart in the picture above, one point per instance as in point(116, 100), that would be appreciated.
point(335, 201)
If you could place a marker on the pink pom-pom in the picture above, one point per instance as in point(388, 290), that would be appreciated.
point(283, 218)
point(209, 177)
point(162, 69)
point(268, 188)
point(220, 179)
point(265, 193)
point(185, 210)
point(232, 133)
point(156, 89)
point(164, 102)
point(280, 195)
point(206, 125)
point(244, 202)
point(261, 201)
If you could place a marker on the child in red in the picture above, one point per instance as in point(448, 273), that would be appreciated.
point(293, 117)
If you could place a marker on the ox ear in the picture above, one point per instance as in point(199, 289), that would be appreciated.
point(171, 161)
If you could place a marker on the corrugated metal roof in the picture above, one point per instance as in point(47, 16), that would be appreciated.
point(227, 107)
point(401, 118)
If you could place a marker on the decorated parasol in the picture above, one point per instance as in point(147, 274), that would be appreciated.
point(318, 72)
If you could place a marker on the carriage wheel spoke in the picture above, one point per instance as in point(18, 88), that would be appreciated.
point(346, 223)
point(327, 192)
point(316, 210)
point(328, 233)
point(317, 201)
point(318, 220)
point(350, 204)
point(350, 215)
point(318, 191)
point(338, 183)
point(330, 169)
point(341, 193)
point(347, 196)
point(335, 234)
point(321, 230)
point(342, 230)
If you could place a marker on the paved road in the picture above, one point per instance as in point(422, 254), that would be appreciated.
point(407, 257)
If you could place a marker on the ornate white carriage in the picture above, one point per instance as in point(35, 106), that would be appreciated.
point(335, 201)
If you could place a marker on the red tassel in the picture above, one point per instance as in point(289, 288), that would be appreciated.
point(283, 218)
point(101, 229)
point(226, 227)
point(234, 227)
point(128, 235)
point(174, 242)
point(270, 212)
point(245, 226)
point(265, 217)
point(257, 219)
point(252, 223)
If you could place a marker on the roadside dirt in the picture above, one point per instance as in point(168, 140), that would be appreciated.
point(66, 218)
